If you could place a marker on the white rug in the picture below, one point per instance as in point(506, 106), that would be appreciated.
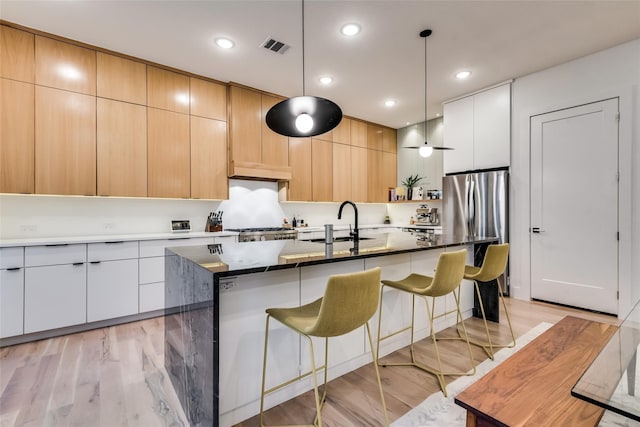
point(440, 411)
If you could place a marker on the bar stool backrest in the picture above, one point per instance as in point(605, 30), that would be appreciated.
point(349, 301)
point(448, 274)
point(494, 264)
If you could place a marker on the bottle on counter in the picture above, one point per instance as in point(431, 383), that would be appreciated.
point(411, 220)
point(294, 222)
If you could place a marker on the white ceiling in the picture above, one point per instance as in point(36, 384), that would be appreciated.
point(496, 40)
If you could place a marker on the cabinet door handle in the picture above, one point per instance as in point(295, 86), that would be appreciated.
point(95, 262)
point(114, 243)
point(537, 230)
point(78, 263)
point(14, 268)
point(58, 244)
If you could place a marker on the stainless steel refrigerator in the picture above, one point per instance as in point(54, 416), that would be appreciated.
point(476, 204)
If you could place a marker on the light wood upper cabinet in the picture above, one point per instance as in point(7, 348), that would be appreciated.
point(341, 172)
point(275, 147)
point(322, 170)
point(208, 159)
point(342, 132)
point(65, 66)
point(167, 90)
point(16, 136)
point(359, 158)
point(208, 99)
point(65, 142)
point(17, 54)
point(358, 133)
point(389, 140)
point(121, 79)
point(374, 137)
point(244, 125)
point(389, 174)
point(121, 148)
point(327, 136)
point(300, 187)
point(374, 176)
point(169, 154)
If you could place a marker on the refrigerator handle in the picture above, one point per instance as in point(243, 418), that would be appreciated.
point(471, 208)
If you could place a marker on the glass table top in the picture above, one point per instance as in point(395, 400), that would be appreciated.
point(612, 380)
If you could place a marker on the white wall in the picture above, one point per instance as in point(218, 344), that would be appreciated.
point(614, 72)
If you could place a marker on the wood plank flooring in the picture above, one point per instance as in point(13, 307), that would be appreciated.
point(115, 377)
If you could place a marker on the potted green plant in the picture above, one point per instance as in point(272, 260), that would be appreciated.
point(410, 182)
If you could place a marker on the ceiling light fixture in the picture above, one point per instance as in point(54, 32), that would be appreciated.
point(326, 80)
point(426, 150)
point(303, 115)
point(463, 75)
point(224, 43)
point(389, 103)
point(350, 30)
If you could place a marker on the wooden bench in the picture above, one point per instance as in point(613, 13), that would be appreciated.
point(533, 387)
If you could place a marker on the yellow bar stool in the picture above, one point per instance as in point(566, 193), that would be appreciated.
point(493, 266)
point(446, 280)
point(349, 301)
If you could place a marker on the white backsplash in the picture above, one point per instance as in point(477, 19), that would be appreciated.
point(250, 204)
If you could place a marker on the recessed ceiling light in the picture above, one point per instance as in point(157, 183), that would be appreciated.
point(224, 43)
point(463, 75)
point(350, 29)
point(326, 80)
point(389, 103)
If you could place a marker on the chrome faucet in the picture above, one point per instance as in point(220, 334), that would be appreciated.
point(355, 232)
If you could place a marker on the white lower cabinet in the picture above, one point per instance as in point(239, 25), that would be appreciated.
point(11, 302)
point(112, 289)
point(55, 296)
point(242, 327)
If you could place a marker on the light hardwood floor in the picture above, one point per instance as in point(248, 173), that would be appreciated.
point(115, 377)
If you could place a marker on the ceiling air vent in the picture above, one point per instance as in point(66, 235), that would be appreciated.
point(275, 46)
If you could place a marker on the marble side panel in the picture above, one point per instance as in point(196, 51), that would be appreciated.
point(190, 359)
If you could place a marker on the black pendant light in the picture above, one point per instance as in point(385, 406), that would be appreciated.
point(426, 150)
point(303, 115)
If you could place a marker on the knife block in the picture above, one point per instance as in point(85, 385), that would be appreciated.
point(210, 227)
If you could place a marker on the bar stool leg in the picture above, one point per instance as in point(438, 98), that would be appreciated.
point(264, 371)
point(375, 365)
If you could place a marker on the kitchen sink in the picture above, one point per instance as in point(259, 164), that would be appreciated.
point(339, 239)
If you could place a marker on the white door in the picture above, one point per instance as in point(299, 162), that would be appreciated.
point(574, 206)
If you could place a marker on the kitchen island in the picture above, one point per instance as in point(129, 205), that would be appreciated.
point(214, 337)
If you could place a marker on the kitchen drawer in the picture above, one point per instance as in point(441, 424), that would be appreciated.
point(151, 297)
point(110, 251)
point(151, 248)
point(35, 256)
point(12, 257)
point(151, 270)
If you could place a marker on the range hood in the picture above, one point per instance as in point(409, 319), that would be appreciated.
point(259, 171)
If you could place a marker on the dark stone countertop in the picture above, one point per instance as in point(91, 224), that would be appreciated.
point(231, 259)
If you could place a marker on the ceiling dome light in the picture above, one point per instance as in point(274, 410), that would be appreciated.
point(225, 43)
point(326, 80)
point(350, 30)
point(389, 103)
point(463, 75)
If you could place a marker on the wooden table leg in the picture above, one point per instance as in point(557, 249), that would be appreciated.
point(471, 419)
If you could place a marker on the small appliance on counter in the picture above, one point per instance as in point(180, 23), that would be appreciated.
point(265, 233)
point(180, 226)
point(427, 216)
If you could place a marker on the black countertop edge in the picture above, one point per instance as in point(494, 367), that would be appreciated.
point(185, 252)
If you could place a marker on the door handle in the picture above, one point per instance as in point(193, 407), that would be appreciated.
point(537, 230)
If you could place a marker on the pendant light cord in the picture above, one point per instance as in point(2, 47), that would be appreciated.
point(303, 83)
point(425, 90)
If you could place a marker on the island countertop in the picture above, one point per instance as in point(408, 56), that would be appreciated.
point(230, 259)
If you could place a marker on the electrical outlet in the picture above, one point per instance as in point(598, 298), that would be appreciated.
point(227, 286)
point(28, 227)
point(109, 225)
